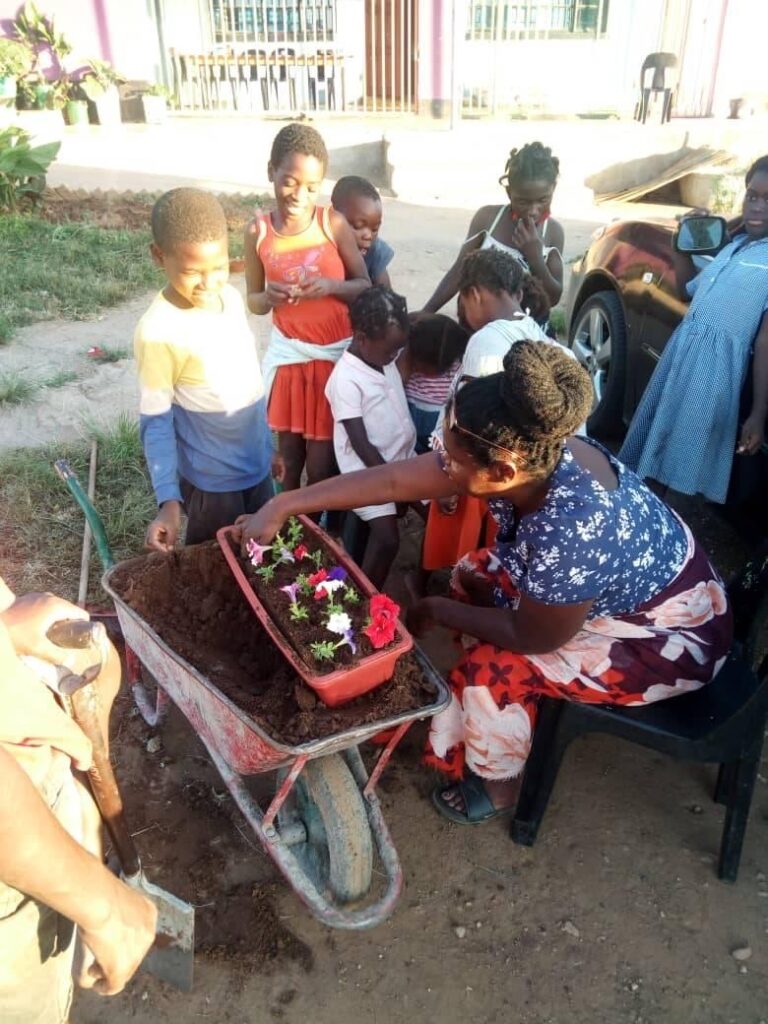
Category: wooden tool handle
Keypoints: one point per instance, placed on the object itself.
(83, 704)
(77, 634)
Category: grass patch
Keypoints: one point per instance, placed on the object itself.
(71, 271)
(16, 389)
(60, 379)
(41, 526)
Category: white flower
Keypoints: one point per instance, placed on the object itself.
(339, 622)
(329, 586)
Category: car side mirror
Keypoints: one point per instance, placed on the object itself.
(701, 236)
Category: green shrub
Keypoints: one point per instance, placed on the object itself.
(22, 167)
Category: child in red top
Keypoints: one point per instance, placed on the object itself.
(303, 264)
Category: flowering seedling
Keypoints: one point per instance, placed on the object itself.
(256, 552)
(284, 555)
(324, 650)
(303, 583)
(266, 572)
(301, 551)
(350, 596)
(298, 613)
(317, 558)
(339, 622)
(291, 590)
(295, 533)
(381, 629)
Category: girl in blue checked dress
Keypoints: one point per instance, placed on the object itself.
(685, 431)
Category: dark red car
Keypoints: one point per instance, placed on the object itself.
(622, 307)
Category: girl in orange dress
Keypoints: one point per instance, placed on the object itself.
(303, 265)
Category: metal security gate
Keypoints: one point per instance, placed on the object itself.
(492, 30)
(292, 56)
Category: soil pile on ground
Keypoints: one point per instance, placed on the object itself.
(192, 601)
(128, 210)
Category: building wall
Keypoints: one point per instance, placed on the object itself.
(566, 76)
(120, 31)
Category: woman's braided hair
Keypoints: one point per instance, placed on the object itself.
(532, 162)
(542, 396)
(375, 309)
(500, 271)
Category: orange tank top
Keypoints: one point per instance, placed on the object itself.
(297, 259)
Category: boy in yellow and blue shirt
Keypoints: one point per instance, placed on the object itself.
(203, 412)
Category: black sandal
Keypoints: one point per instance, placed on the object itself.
(478, 805)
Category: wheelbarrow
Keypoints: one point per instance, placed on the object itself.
(325, 820)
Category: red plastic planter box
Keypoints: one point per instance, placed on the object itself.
(345, 684)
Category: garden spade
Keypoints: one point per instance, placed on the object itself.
(172, 953)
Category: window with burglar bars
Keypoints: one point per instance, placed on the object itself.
(504, 19)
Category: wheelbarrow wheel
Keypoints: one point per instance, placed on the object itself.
(336, 852)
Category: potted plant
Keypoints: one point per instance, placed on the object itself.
(40, 35)
(326, 618)
(16, 61)
(155, 103)
(69, 98)
(99, 85)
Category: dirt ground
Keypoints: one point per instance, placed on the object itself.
(616, 915)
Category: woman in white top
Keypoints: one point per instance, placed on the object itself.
(522, 227)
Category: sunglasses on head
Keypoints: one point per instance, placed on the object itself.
(453, 424)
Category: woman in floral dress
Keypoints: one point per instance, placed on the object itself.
(593, 591)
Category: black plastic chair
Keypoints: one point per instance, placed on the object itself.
(723, 723)
(664, 80)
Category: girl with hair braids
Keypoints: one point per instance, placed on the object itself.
(372, 425)
(593, 590)
(522, 227)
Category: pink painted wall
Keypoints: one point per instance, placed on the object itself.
(120, 31)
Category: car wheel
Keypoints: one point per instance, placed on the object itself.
(599, 341)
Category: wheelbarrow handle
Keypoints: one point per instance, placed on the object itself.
(83, 704)
(65, 472)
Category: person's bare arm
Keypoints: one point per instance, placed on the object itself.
(398, 482)
(357, 279)
(449, 285)
(261, 297)
(361, 445)
(753, 431)
(39, 858)
(532, 628)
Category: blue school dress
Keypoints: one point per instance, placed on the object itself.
(685, 430)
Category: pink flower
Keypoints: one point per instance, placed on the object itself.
(691, 608)
(301, 551)
(291, 590)
(256, 551)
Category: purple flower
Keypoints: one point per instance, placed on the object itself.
(337, 573)
(348, 639)
(285, 556)
(291, 590)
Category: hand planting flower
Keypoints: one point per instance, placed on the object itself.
(256, 551)
(301, 551)
(291, 590)
(381, 629)
(339, 623)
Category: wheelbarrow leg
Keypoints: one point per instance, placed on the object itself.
(152, 711)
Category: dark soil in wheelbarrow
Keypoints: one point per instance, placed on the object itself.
(193, 602)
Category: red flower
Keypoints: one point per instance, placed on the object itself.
(301, 551)
(381, 629)
(317, 577)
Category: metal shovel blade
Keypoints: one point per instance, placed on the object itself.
(171, 957)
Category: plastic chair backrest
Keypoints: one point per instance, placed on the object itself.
(659, 63)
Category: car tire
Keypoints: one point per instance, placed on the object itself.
(598, 338)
